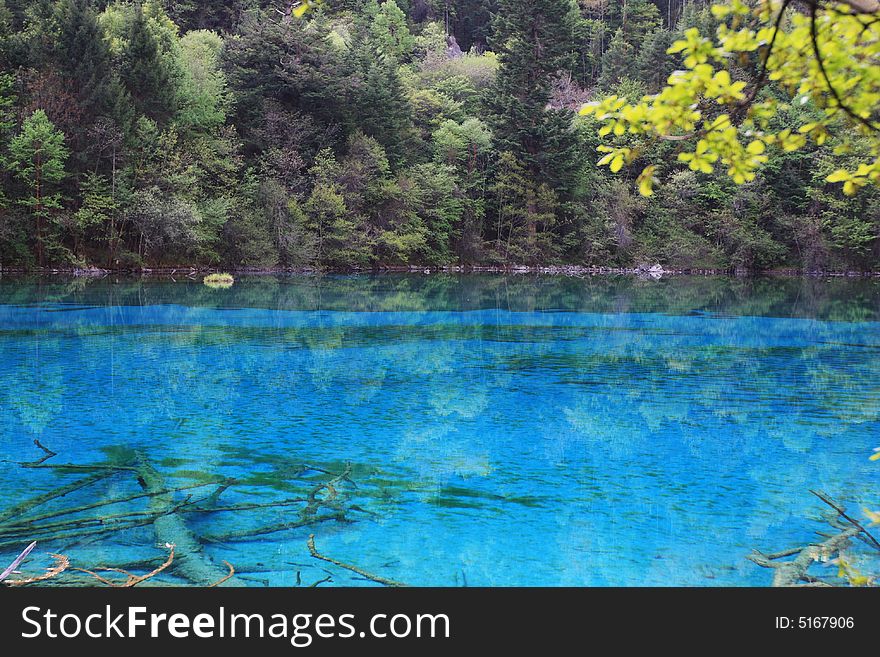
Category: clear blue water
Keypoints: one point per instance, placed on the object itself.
(500, 431)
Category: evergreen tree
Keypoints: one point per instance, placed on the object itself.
(145, 72)
(389, 34)
(534, 42)
(199, 15)
(83, 57)
(7, 121)
(653, 65)
(37, 156)
(384, 109)
(509, 196)
(634, 18)
(337, 239)
(618, 62)
(7, 103)
(470, 21)
(6, 33)
(97, 213)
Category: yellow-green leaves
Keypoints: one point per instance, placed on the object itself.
(788, 141)
(615, 158)
(300, 9)
(852, 182)
(695, 48)
(723, 90)
(646, 180)
(684, 111)
(817, 131)
(605, 108)
(736, 8)
(852, 574)
(756, 147)
(700, 159)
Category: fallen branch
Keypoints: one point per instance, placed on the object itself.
(106, 524)
(223, 579)
(309, 513)
(375, 578)
(198, 508)
(48, 453)
(120, 500)
(62, 563)
(315, 502)
(77, 467)
(91, 533)
(271, 529)
(77, 523)
(855, 523)
(794, 572)
(15, 564)
(27, 505)
(131, 579)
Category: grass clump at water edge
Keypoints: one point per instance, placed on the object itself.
(219, 280)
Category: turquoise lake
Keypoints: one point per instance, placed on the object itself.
(477, 430)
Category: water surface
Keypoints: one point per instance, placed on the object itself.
(498, 430)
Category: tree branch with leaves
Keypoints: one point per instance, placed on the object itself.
(818, 53)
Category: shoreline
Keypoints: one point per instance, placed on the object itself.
(655, 272)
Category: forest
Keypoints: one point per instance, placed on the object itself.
(359, 134)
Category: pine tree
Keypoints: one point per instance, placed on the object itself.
(145, 73)
(83, 56)
(7, 121)
(384, 109)
(470, 21)
(534, 41)
(389, 34)
(97, 212)
(635, 18)
(618, 61)
(37, 156)
(337, 239)
(5, 33)
(509, 191)
(653, 64)
(7, 102)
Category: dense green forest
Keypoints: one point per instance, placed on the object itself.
(362, 133)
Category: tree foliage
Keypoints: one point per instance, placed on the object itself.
(360, 134)
(829, 57)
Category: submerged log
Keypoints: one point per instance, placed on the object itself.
(794, 572)
(165, 512)
(191, 563)
(27, 505)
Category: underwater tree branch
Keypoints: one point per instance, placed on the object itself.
(794, 572)
(111, 502)
(375, 578)
(27, 505)
(15, 564)
(842, 512)
(62, 563)
(225, 577)
(48, 454)
(131, 579)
